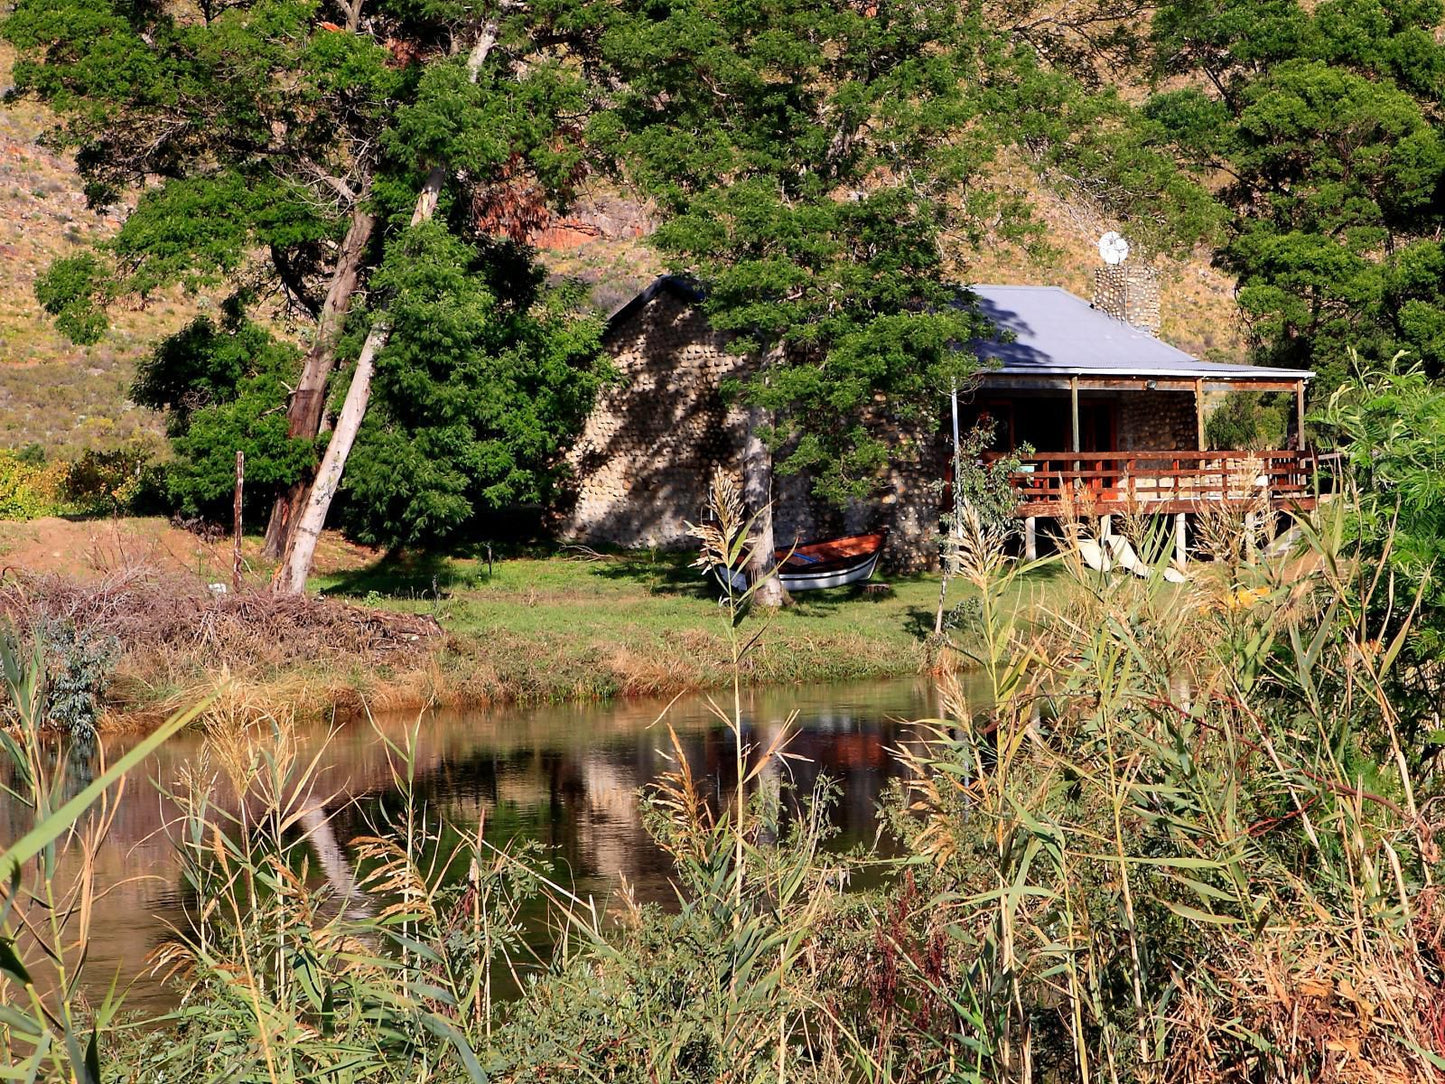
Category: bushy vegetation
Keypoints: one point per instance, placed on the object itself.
(1390, 421)
(30, 486)
(96, 482)
(490, 374)
(1317, 128)
(1248, 421)
(1189, 834)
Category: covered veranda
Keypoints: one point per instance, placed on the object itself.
(1111, 418)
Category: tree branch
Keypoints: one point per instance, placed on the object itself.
(294, 282)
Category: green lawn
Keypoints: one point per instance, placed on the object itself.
(551, 627)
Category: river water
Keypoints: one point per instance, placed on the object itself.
(565, 776)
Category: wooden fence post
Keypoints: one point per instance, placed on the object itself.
(236, 521)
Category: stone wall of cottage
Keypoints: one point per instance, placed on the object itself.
(647, 453)
(1162, 420)
(643, 465)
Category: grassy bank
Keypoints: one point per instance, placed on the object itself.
(402, 633)
(562, 627)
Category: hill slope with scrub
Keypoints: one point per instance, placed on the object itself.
(66, 396)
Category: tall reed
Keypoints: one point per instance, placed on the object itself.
(1183, 834)
(1193, 866)
(49, 1025)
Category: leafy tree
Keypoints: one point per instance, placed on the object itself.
(278, 148)
(1325, 123)
(486, 374)
(1389, 418)
(221, 388)
(807, 159)
(473, 123)
(259, 120)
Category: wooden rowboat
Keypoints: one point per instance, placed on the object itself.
(833, 563)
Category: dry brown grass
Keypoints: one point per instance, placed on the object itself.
(1313, 998)
(147, 610)
(264, 653)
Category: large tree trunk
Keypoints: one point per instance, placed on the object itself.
(307, 409)
(758, 497)
(301, 546)
(296, 562)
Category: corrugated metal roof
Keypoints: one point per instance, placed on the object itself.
(1056, 333)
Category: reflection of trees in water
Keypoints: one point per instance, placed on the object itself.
(581, 802)
(565, 778)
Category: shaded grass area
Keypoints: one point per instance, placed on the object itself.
(534, 623)
(552, 627)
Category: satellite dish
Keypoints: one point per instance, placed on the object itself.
(1113, 248)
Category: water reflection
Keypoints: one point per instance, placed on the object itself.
(564, 776)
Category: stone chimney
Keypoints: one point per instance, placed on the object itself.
(1129, 292)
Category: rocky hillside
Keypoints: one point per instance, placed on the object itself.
(64, 396)
(1198, 309)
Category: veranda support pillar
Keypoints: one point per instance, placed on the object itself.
(1299, 414)
(1199, 413)
(1106, 526)
(1074, 412)
(1031, 538)
(1181, 529)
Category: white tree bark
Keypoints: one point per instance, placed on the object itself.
(306, 413)
(301, 548)
(296, 563)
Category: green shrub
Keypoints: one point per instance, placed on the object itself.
(78, 666)
(107, 482)
(1248, 421)
(30, 489)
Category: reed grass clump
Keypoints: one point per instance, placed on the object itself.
(1183, 842)
(1185, 836)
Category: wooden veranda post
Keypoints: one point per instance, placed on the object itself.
(1299, 414)
(1199, 413)
(1074, 410)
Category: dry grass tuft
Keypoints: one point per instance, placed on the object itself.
(145, 609)
(177, 637)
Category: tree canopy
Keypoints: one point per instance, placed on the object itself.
(1325, 123)
(820, 169)
(487, 372)
(275, 149)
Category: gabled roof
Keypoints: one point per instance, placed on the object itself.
(1056, 333)
(682, 288)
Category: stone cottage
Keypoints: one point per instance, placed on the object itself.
(647, 454)
(1062, 376)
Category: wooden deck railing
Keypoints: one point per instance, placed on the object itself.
(1162, 481)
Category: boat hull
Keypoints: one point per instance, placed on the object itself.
(836, 563)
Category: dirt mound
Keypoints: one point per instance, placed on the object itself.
(95, 549)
